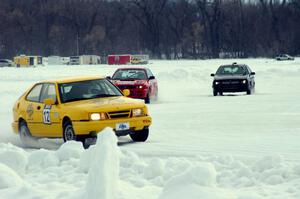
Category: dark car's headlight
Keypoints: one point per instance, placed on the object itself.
(244, 81)
(216, 82)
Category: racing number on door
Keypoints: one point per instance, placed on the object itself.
(46, 114)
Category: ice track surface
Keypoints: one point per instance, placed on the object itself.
(233, 146)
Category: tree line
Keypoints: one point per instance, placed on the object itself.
(169, 29)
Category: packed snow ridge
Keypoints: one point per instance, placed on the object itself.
(104, 171)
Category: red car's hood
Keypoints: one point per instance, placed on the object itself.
(129, 82)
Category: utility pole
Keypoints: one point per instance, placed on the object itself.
(77, 43)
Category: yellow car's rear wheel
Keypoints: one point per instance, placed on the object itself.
(25, 136)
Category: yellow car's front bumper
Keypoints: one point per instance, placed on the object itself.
(86, 127)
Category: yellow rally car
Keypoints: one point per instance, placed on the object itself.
(78, 109)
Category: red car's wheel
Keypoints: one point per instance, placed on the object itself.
(147, 99)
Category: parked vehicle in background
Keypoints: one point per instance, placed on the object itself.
(140, 81)
(6, 63)
(78, 109)
(85, 60)
(127, 59)
(28, 60)
(57, 60)
(283, 57)
(233, 78)
(139, 59)
(118, 59)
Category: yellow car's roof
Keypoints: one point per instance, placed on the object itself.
(73, 79)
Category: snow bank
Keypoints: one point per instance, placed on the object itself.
(68, 150)
(8, 177)
(204, 175)
(191, 183)
(14, 157)
(249, 195)
(154, 169)
(42, 159)
(103, 175)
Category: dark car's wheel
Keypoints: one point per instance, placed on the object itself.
(140, 136)
(68, 132)
(215, 93)
(25, 136)
(249, 91)
(147, 99)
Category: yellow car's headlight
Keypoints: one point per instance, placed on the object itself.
(95, 116)
(137, 112)
(98, 116)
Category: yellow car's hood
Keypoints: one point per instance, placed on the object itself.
(106, 104)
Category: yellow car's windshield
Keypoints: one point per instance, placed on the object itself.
(84, 90)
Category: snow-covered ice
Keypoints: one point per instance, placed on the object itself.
(233, 146)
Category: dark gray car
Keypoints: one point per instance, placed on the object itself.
(233, 78)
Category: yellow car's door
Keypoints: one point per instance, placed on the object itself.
(50, 114)
(33, 109)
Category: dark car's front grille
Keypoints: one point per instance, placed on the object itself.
(236, 85)
(119, 114)
(230, 82)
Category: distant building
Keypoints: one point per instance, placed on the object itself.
(85, 60)
(28, 60)
(57, 60)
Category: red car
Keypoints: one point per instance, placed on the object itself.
(140, 81)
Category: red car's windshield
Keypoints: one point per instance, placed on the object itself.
(129, 74)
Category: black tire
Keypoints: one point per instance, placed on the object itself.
(86, 140)
(156, 96)
(249, 91)
(26, 137)
(68, 132)
(69, 135)
(140, 136)
(215, 93)
(147, 99)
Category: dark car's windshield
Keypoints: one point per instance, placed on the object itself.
(231, 70)
(129, 74)
(87, 90)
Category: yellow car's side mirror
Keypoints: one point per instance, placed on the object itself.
(126, 92)
(49, 101)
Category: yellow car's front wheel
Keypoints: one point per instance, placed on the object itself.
(140, 136)
(68, 133)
